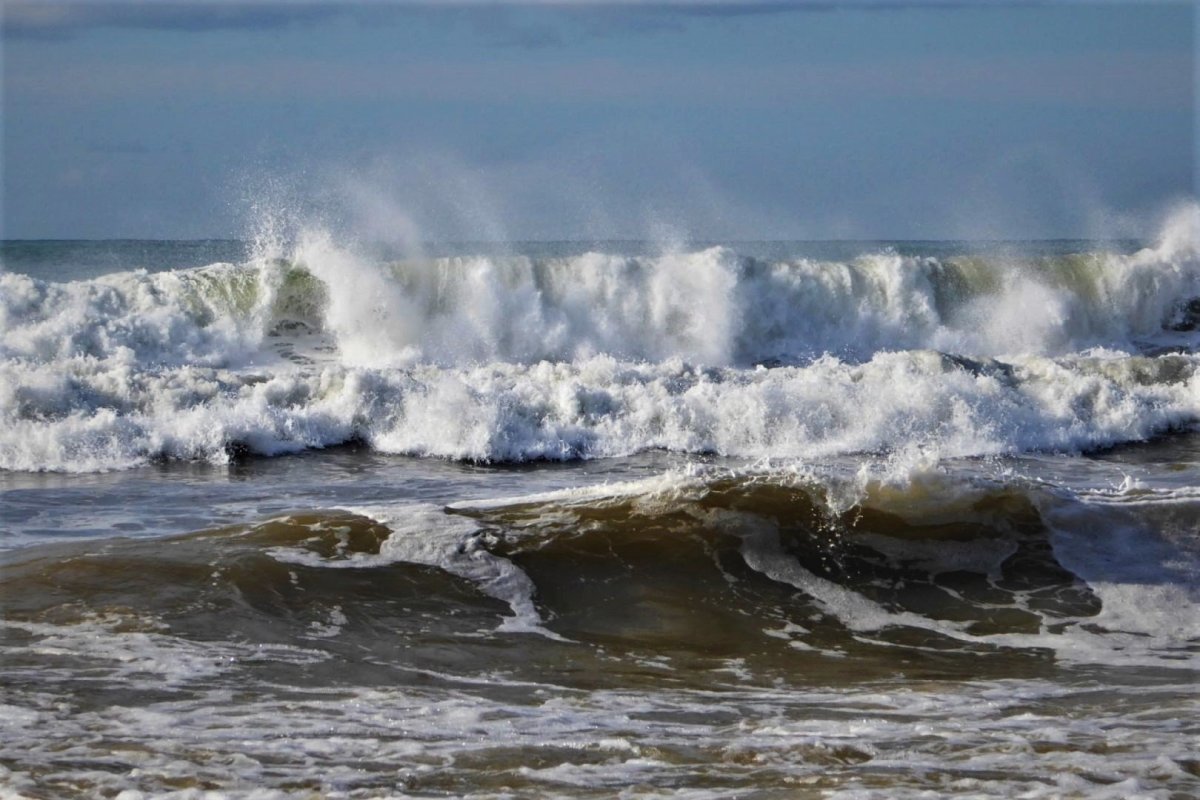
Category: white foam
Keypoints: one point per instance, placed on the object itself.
(688, 482)
(206, 316)
(145, 651)
(83, 416)
(509, 358)
(1005, 738)
(715, 308)
(424, 534)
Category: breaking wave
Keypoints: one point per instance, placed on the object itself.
(602, 354)
(709, 558)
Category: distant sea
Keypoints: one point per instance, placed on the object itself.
(747, 519)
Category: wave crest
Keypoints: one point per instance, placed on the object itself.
(514, 358)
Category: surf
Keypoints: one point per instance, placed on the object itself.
(510, 357)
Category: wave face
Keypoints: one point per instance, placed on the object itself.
(969, 567)
(716, 308)
(928, 560)
(747, 630)
(600, 354)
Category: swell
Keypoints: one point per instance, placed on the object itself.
(636, 569)
(720, 565)
(783, 555)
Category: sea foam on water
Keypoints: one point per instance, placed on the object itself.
(510, 358)
(822, 521)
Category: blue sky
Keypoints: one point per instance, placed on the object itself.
(542, 121)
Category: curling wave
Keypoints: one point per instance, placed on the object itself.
(515, 358)
(716, 308)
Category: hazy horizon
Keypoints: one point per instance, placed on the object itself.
(704, 122)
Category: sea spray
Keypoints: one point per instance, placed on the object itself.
(516, 357)
(843, 538)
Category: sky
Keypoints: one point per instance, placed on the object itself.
(857, 120)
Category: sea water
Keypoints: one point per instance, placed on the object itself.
(762, 519)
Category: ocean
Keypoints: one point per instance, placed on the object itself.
(307, 517)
